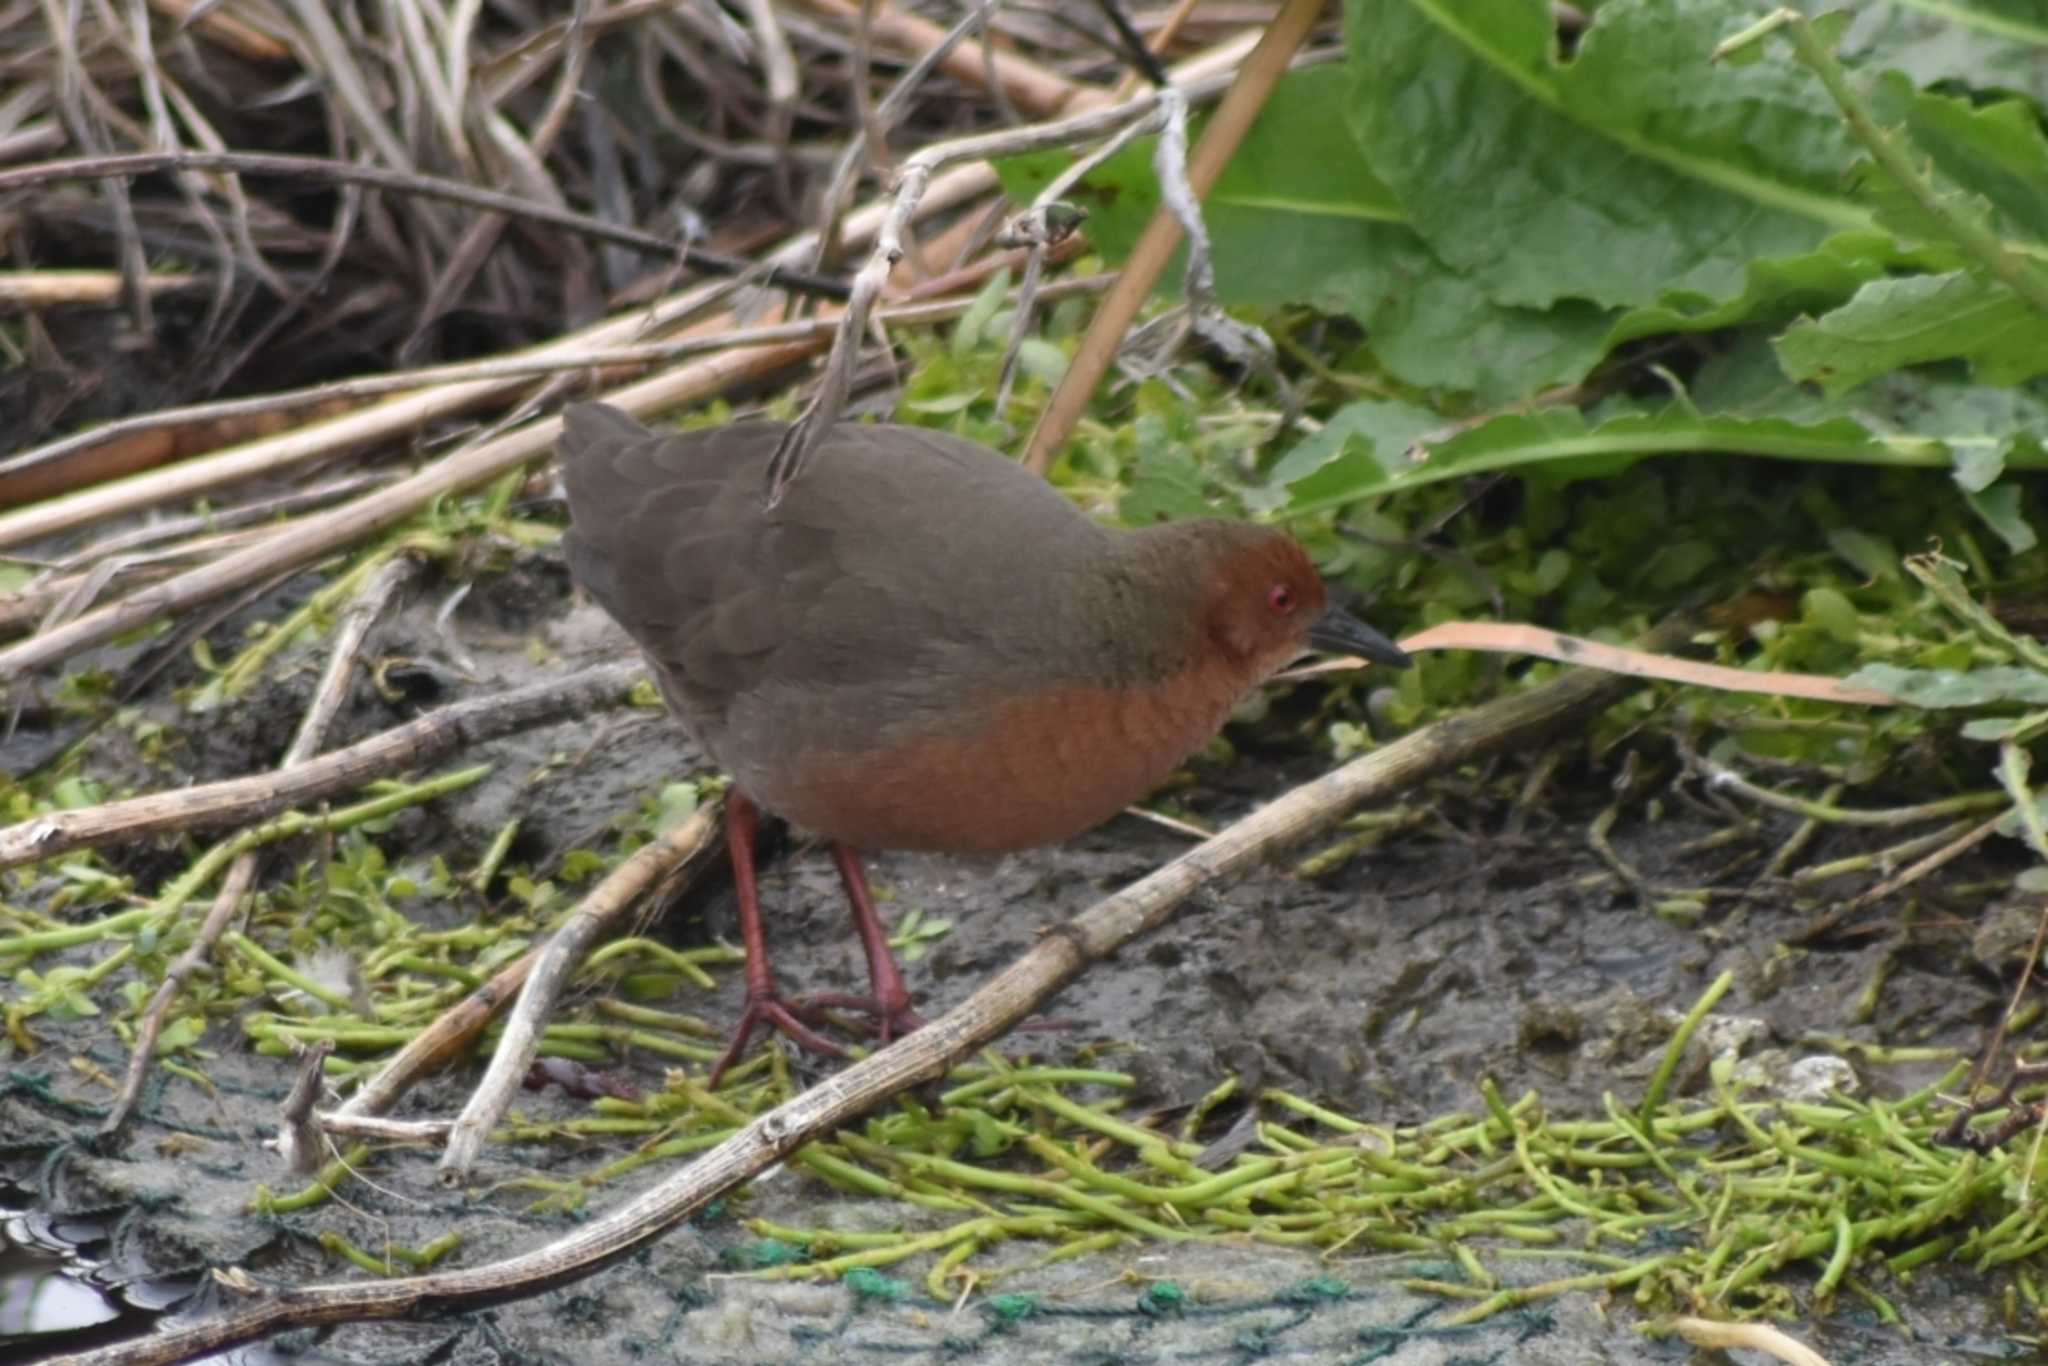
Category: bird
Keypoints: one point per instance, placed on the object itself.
(921, 646)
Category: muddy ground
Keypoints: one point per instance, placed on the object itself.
(1488, 940)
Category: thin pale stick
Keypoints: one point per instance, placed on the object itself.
(119, 167)
(206, 806)
(596, 917)
(328, 696)
(1247, 95)
(39, 461)
(1514, 638)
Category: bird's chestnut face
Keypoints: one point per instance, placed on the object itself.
(1270, 597)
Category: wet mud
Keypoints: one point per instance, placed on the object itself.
(1487, 940)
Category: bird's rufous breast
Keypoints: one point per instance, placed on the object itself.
(1034, 768)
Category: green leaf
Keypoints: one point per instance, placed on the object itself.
(1381, 431)
(944, 404)
(1041, 360)
(1299, 158)
(1831, 610)
(1978, 466)
(1986, 429)
(180, 1033)
(1437, 329)
(1636, 169)
(1298, 217)
(675, 801)
(75, 790)
(1944, 688)
(1774, 288)
(1564, 444)
(1996, 728)
(968, 331)
(1167, 483)
(2003, 511)
(1985, 43)
(1995, 151)
(1915, 319)
(1872, 557)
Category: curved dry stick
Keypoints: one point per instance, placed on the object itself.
(593, 919)
(315, 536)
(281, 166)
(794, 452)
(328, 696)
(1012, 994)
(1513, 638)
(232, 801)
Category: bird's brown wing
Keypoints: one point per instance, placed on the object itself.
(902, 570)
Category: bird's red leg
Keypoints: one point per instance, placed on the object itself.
(890, 1002)
(764, 1004)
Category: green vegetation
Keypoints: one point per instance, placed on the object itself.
(1581, 338)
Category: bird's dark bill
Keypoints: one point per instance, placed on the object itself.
(1337, 629)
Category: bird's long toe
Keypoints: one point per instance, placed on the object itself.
(887, 1019)
(777, 1014)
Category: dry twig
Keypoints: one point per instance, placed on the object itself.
(1247, 95)
(911, 181)
(595, 918)
(328, 696)
(237, 800)
(114, 169)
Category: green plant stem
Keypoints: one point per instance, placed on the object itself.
(1965, 230)
(1646, 1113)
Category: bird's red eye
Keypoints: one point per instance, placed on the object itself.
(1280, 598)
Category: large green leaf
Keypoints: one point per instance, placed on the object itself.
(1995, 151)
(1636, 169)
(1380, 448)
(1298, 157)
(1774, 289)
(1438, 329)
(1297, 217)
(1984, 43)
(1919, 318)
(1954, 687)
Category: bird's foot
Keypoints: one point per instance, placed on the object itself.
(889, 1019)
(774, 1012)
